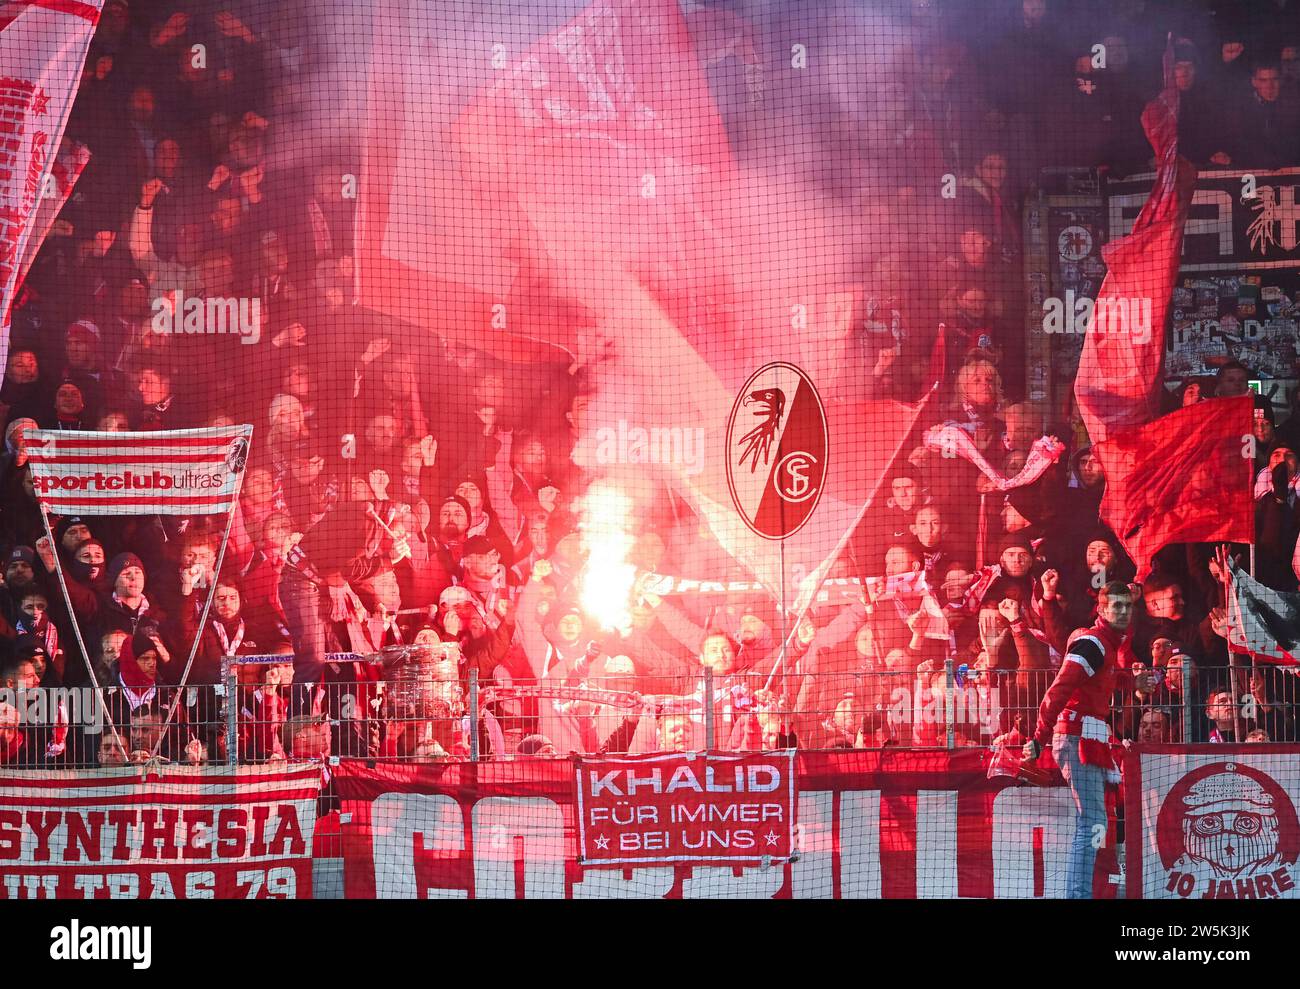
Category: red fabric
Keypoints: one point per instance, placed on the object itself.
(12, 749)
(597, 183)
(260, 734)
(897, 823)
(1119, 378)
(1075, 695)
(258, 820)
(132, 675)
(1181, 478)
(1096, 753)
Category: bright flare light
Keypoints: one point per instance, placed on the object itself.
(608, 577)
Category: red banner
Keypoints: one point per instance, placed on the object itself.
(203, 833)
(675, 808)
(897, 825)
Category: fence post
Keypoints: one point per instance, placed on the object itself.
(949, 703)
(708, 710)
(1187, 699)
(231, 681)
(1237, 698)
(473, 714)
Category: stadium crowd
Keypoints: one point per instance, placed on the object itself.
(404, 490)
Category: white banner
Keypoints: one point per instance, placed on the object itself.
(173, 472)
(43, 46)
(183, 832)
(1210, 822)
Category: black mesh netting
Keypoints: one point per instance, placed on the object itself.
(639, 375)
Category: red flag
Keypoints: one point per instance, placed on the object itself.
(1118, 381)
(42, 49)
(1183, 478)
(601, 114)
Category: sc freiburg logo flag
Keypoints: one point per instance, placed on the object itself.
(777, 446)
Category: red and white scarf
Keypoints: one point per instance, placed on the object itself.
(952, 441)
(229, 646)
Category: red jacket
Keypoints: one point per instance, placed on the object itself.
(1078, 701)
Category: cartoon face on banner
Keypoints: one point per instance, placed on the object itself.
(1228, 830)
(777, 445)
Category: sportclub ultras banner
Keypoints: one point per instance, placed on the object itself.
(172, 472)
(179, 833)
(869, 825)
(1213, 822)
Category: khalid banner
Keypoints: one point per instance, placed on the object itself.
(173, 472)
(42, 49)
(894, 825)
(674, 808)
(1211, 822)
(210, 832)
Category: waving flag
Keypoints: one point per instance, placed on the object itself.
(596, 204)
(1119, 379)
(1265, 624)
(43, 46)
(174, 472)
(71, 161)
(1182, 478)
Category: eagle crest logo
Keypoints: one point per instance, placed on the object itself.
(777, 450)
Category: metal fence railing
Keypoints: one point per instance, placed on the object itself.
(431, 711)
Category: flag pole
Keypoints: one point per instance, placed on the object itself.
(76, 624)
(1227, 587)
(1225, 577)
(207, 605)
(1250, 500)
(937, 359)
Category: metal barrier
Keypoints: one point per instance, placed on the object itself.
(437, 712)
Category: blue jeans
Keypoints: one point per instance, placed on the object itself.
(1088, 788)
(301, 600)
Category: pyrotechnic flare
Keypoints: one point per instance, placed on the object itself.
(608, 576)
